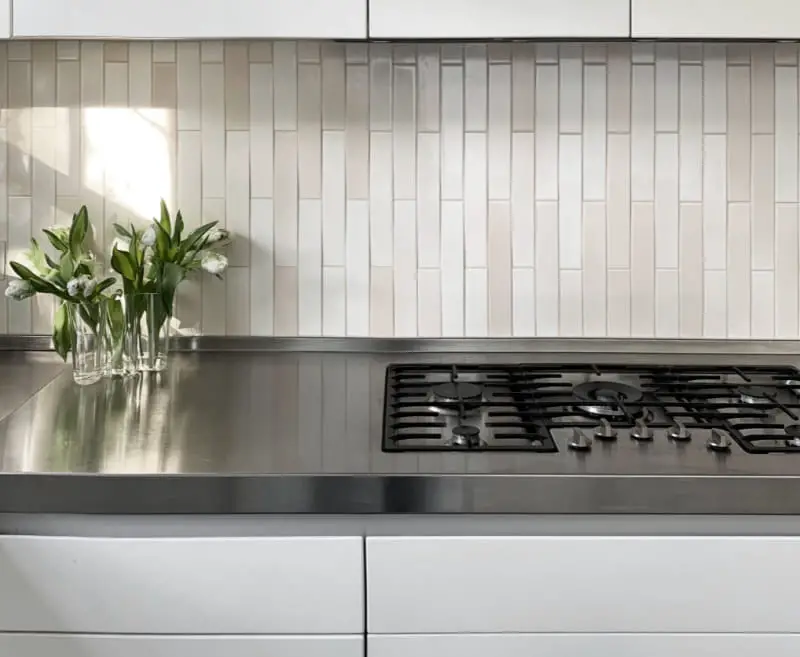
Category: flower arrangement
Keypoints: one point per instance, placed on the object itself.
(150, 262)
(71, 278)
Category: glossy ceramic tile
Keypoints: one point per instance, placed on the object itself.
(427, 189)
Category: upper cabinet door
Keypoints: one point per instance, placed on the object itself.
(183, 19)
(716, 19)
(497, 19)
(5, 19)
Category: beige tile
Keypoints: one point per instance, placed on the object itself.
(786, 135)
(595, 53)
(452, 127)
(475, 199)
(499, 270)
(715, 208)
(115, 51)
(691, 270)
(237, 301)
(763, 305)
(285, 84)
(786, 54)
(116, 84)
(643, 53)
(476, 323)
(334, 309)
(261, 131)
(642, 271)
(68, 129)
(619, 87)
(309, 131)
(237, 86)
(739, 133)
(3, 83)
(763, 88)
(642, 134)
(452, 268)
(738, 54)
(715, 99)
(594, 269)
(476, 78)
(429, 303)
(357, 53)
(738, 270)
(213, 129)
(308, 52)
(262, 272)
(428, 200)
(546, 133)
(68, 49)
(786, 272)
(667, 87)
(691, 133)
(164, 52)
(260, 51)
(381, 302)
(523, 291)
(286, 200)
(44, 85)
(19, 233)
(618, 194)
(211, 52)
(334, 87)
(189, 86)
(189, 177)
(715, 309)
(333, 199)
(380, 199)
(286, 301)
(547, 53)
(357, 132)
(405, 269)
(380, 88)
(570, 321)
(547, 274)
(43, 180)
(140, 65)
(357, 268)
(237, 195)
(595, 133)
(19, 51)
(570, 207)
(523, 71)
(522, 199)
(570, 89)
(499, 53)
(763, 194)
(667, 303)
(428, 87)
(404, 150)
(165, 86)
(499, 133)
(18, 124)
(666, 206)
(619, 303)
(310, 268)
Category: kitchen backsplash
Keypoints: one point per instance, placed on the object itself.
(427, 190)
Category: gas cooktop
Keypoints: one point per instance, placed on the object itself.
(553, 408)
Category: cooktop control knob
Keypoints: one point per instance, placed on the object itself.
(679, 432)
(718, 441)
(580, 442)
(605, 431)
(641, 431)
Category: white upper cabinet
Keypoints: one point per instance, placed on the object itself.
(5, 19)
(189, 19)
(716, 19)
(497, 19)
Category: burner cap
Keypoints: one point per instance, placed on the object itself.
(466, 435)
(459, 392)
(793, 430)
(756, 394)
(606, 398)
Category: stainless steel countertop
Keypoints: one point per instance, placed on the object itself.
(278, 431)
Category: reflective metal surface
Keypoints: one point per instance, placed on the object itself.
(286, 432)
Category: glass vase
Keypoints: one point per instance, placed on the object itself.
(119, 346)
(86, 322)
(151, 331)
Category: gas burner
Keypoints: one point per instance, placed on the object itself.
(607, 398)
(756, 394)
(457, 397)
(793, 431)
(465, 435)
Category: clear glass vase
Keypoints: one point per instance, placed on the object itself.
(119, 346)
(150, 329)
(86, 322)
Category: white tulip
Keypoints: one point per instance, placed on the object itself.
(214, 263)
(149, 236)
(217, 235)
(74, 287)
(89, 285)
(121, 244)
(18, 289)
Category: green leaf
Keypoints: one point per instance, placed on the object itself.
(165, 222)
(78, 231)
(122, 263)
(51, 263)
(58, 244)
(103, 285)
(62, 337)
(37, 282)
(115, 317)
(176, 236)
(194, 241)
(122, 231)
(67, 266)
(171, 277)
(162, 241)
(37, 257)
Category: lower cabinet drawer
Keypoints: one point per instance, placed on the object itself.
(259, 585)
(453, 585)
(585, 645)
(55, 645)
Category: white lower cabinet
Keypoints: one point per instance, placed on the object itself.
(585, 645)
(54, 645)
(253, 585)
(583, 584)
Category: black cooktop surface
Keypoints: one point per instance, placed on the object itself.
(551, 408)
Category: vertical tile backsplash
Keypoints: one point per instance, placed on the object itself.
(644, 190)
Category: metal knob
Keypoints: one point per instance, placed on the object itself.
(580, 442)
(605, 431)
(641, 431)
(718, 441)
(679, 432)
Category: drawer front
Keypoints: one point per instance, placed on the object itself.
(27, 645)
(582, 584)
(585, 645)
(309, 585)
